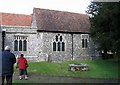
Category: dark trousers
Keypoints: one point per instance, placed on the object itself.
(8, 80)
(23, 72)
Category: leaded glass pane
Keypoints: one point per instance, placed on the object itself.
(56, 38)
(63, 46)
(15, 45)
(58, 46)
(83, 43)
(60, 38)
(86, 44)
(20, 45)
(25, 45)
(54, 46)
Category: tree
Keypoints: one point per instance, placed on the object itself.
(93, 8)
(105, 25)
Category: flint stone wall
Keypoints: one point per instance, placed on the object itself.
(73, 47)
(40, 45)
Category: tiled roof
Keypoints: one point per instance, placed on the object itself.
(51, 20)
(10, 19)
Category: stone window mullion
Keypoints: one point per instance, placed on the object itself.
(61, 46)
(56, 46)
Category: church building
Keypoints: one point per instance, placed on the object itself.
(48, 35)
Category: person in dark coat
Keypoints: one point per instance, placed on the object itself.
(8, 61)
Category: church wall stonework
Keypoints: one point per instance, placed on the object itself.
(46, 46)
(78, 51)
(72, 41)
(22, 31)
(40, 45)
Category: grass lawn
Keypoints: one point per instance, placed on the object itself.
(97, 68)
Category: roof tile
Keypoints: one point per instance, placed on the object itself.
(10, 19)
(51, 20)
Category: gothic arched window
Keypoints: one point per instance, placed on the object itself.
(58, 44)
(20, 43)
(85, 40)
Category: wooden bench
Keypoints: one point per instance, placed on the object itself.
(78, 67)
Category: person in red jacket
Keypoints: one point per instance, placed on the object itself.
(22, 65)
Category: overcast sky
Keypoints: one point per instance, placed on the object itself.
(26, 6)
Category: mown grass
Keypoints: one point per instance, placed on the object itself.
(97, 68)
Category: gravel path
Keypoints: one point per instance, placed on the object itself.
(35, 78)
